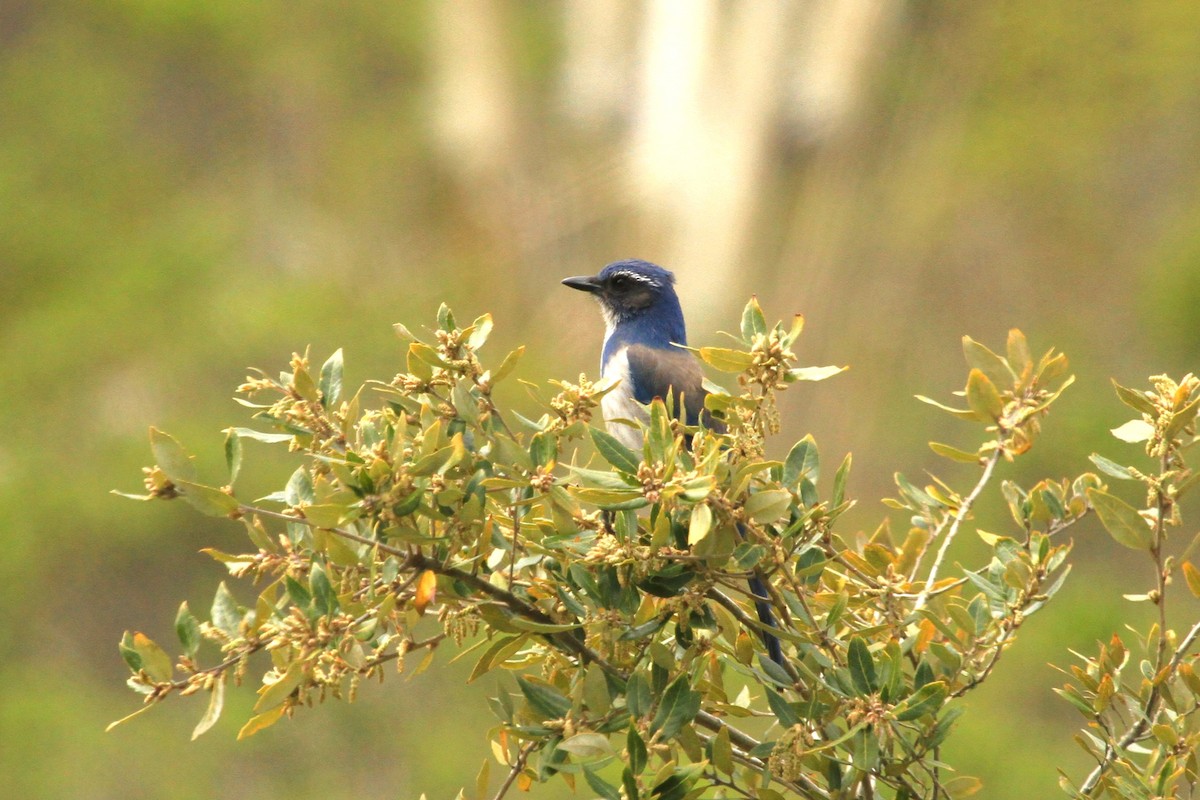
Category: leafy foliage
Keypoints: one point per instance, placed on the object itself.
(612, 583)
(1140, 699)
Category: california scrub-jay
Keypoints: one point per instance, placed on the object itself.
(643, 326)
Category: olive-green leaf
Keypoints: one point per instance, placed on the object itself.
(982, 396)
(330, 382)
(767, 506)
(678, 707)
(802, 460)
(586, 745)
(722, 752)
(612, 451)
(1111, 468)
(1121, 520)
(545, 699)
(953, 453)
(700, 523)
(187, 628)
(636, 752)
(1136, 400)
(862, 666)
(233, 453)
(726, 360)
(982, 358)
(155, 660)
(225, 613)
(216, 702)
(600, 786)
(782, 709)
(926, 700)
(207, 499)
(753, 321)
(172, 459)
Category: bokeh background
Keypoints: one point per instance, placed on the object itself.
(190, 188)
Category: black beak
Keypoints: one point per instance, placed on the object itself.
(584, 283)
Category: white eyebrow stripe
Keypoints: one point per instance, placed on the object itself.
(637, 277)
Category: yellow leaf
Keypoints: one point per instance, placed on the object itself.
(261, 721)
(1192, 576)
(426, 591)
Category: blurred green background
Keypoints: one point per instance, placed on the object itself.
(189, 188)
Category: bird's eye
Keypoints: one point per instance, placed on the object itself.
(620, 282)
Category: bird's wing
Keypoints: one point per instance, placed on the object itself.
(655, 372)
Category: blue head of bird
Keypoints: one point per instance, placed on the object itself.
(639, 305)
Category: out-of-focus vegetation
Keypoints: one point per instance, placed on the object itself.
(191, 188)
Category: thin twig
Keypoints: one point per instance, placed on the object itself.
(517, 767)
(959, 515)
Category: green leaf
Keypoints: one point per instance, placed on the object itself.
(981, 358)
(322, 590)
(272, 694)
(506, 366)
(1181, 419)
(543, 449)
(782, 709)
(600, 786)
(208, 500)
(982, 396)
(155, 660)
(636, 753)
(961, 413)
(233, 453)
(726, 360)
(926, 700)
(1136, 400)
(172, 459)
(839, 482)
(630, 784)
(615, 453)
(637, 695)
(803, 460)
(330, 383)
(545, 699)
(225, 614)
(953, 453)
(767, 506)
(753, 321)
(132, 659)
(481, 328)
(678, 707)
(1121, 520)
(595, 690)
(862, 666)
(216, 702)
(586, 745)
(445, 318)
(299, 488)
(187, 628)
(497, 654)
(1111, 468)
(700, 523)
(1019, 359)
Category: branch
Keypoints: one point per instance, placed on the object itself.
(959, 515)
(518, 765)
(1139, 727)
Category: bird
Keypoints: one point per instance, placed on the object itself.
(643, 351)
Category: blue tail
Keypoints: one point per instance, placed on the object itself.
(766, 618)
